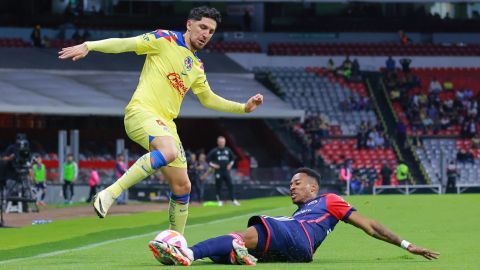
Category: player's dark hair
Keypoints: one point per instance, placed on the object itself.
(310, 172)
(197, 13)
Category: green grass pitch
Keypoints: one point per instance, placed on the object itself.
(449, 224)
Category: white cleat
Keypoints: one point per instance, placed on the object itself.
(240, 255)
(165, 252)
(236, 203)
(102, 202)
(220, 203)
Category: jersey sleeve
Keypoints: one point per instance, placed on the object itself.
(200, 85)
(149, 43)
(339, 208)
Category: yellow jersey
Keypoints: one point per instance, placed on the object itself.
(169, 72)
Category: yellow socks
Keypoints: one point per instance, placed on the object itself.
(142, 168)
(178, 212)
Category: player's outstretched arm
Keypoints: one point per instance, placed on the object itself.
(212, 101)
(111, 45)
(377, 230)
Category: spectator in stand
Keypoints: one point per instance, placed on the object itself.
(362, 136)
(476, 142)
(70, 174)
(36, 37)
(331, 66)
(444, 122)
(402, 173)
(469, 129)
(404, 40)
(370, 143)
(452, 175)
(345, 70)
(203, 170)
(379, 139)
(405, 62)
(356, 76)
(386, 173)
(324, 127)
(390, 64)
(448, 85)
(93, 182)
(120, 169)
(435, 86)
(465, 157)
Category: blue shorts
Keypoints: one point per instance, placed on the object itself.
(280, 239)
(41, 185)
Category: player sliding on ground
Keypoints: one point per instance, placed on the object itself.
(171, 68)
(286, 239)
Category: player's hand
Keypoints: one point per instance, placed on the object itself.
(253, 102)
(427, 254)
(229, 167)
(75, 52)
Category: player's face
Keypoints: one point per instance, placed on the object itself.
(201, 32)
(221, 142)
(302, 188)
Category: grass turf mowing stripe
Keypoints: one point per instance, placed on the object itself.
(93, 245)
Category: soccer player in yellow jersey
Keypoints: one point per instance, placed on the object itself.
(171, 68)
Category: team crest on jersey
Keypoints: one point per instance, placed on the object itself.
(188, 62)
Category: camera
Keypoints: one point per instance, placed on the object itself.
(23, 155)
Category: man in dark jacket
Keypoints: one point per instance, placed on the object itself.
(221, 159)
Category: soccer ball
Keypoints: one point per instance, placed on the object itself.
(173, 238)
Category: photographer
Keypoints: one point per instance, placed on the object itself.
(16, 164)
(70, 173)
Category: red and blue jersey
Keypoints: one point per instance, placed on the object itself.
(319, 216)
(296, 238)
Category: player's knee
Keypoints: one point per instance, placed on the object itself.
(183, 187)
(169, 152)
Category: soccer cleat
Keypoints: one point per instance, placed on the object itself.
(236, 203)
(102, 202)
(240, 254)
(220, 203)
(165, 252)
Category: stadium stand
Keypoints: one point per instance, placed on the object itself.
(366, 162)
(317, 91)
(233, 46)
(434, 150)
(444, 113)
(371, 49)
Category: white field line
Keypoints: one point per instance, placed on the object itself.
(54, 253)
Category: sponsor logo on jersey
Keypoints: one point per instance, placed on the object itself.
(177, 83)
(312, 202)
(188, 62)
(145, 37)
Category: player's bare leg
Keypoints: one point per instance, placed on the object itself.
(179, 200)
(163, 151)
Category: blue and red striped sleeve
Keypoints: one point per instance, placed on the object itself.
(339, 208)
